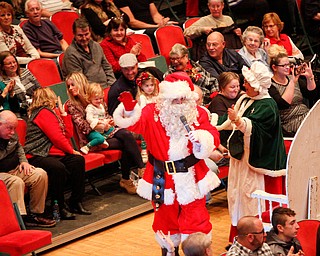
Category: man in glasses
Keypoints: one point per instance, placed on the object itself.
(283, 234)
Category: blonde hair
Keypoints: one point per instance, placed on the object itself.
(82, 84)
(93, 90)
(275, 49)
(43, 97)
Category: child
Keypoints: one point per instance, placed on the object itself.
(148, 89)
(101, 123)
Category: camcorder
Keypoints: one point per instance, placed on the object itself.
(299, 65)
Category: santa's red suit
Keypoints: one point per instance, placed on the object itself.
(183, 210)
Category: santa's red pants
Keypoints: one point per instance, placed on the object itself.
(183, 219)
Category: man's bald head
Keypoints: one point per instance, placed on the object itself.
(8, 124)
(215, 45)
(247, 225)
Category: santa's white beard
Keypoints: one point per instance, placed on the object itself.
(170, 116)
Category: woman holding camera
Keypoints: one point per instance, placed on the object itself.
(290, 85)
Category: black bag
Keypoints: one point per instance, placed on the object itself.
(236, 145)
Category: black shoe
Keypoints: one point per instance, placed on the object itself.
(78, 208)
(66, 215)
(33, 220)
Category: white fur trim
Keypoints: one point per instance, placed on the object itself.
(208, 183)
(175, 90)
(186, 188)
(144, 189)
(178, 148)
(176, 239)
(124, 118)
(169, 196)
(206, 142)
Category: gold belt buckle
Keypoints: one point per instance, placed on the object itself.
(170, 167)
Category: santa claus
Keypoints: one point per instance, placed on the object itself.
(176, 179)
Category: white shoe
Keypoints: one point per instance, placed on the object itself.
(85, 150)
(144, 156)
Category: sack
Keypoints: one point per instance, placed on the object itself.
(236, 145)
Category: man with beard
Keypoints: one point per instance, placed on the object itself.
(176, 179)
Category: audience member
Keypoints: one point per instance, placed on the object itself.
(24, 82)
(250, 239)
(310, 10)
(197, 244)
(77, 86)
(144, 15)
(256, 145)
(177, 190)
(148, 89)
(86, 56)
(48, 146)
(229, 93)
(218, 59)
(8, 99)
(17, 173)
(283, 234)
(179, 59)
(42, 33)
(118, 43)
(12, 37)
(272, 26)
(50, 7)
(95, 115)
(126, 82)
(215, 21)
(252, 40)
(98, 13)
(290, 87)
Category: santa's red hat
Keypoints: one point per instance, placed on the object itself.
(176, 85)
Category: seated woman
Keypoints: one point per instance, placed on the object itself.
(272, 26)
(12, 37)
(289, 88)
(98, 13)
(25, 82)
(48, 146)
(118, 43)
(122, 139)
(179, 58)
(252, 40)
(8, 99)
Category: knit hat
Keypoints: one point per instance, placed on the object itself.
(128, 60)
(176, 85)
(258, 76)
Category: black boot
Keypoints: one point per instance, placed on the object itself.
(78, 208)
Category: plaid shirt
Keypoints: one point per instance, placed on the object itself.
(237, 249)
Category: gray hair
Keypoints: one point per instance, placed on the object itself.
(209, 1)
(178, 49)
(255, 30)
(26, 7)
(196, 244)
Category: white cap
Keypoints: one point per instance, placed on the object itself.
(128, 60)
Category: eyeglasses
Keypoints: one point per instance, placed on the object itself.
(287, 65)
(177, 58)
(253, 233)
(269, 26)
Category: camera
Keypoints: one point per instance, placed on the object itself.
(299, 66)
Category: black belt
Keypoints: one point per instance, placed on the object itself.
(171, 167)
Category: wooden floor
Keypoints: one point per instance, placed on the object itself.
(136, 238)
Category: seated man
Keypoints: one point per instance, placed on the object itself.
(42, 33)
(218, 59)
(86, 56)
(16, 172)
(283, 234)
(197, 244)
(215, 21)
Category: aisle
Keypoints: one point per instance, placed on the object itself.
(135, 237)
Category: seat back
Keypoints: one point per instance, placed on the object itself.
(105, 95)
(46, 71)
(147, 48)
(189, 22)
(60, 60)
(64, 21)
(309, 236)
(9, 222)
(21, 130)
(167, 37)
(22, 23)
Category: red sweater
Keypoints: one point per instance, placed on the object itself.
(284, 41)
(113, 51)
